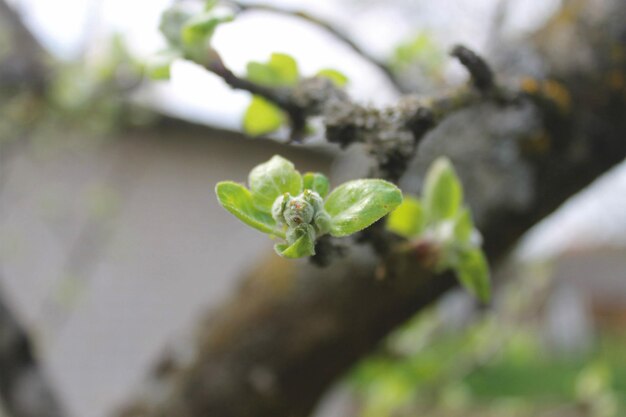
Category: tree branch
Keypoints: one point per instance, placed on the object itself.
(293, 329)
(329, 28)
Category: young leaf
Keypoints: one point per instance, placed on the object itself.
(158, 66)
(272, 179)
(463, 226)
(338, 78)
(317, 182)
(237, 200)
(442, 191)
(262, 117)
(172, 22)
(408, 219)
(303, 246)
(280, 71)
(473, 272)
(200, 28)
(355, 205)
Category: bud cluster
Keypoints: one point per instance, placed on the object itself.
(303, 214)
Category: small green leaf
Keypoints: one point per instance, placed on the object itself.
(317, 182)
(262, 117)
(442, 191)
(158, 66)
(200, 28)
(172, 22)
(338, 78)
(280, 71)
(237, 200)
(355, 205)
(272, 179)
(408, 219)
(210, 5)
(303, 246)
(473, 272)
(463, 226)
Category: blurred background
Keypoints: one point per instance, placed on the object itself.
(112, 242)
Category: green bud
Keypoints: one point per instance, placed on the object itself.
(278, 208)
(298, 211)
(313, 199)
(295, 233)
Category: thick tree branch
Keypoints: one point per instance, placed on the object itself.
(292, 328)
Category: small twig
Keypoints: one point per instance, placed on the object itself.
(281, 97)
(331, 29)
(481, 74)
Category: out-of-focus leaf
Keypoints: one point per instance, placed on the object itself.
(338, 78)
(355, 205)
(172, 22)
(280, 70)
(473, 272)
(158, 66)
(408, 219)
(442, 195)
(272, 179)
(463, 226)
(262, 117)
(200, 28)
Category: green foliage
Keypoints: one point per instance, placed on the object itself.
(238, 200)
(442, 193)
(338, 78)
(357, 204)
(282, 203)
(189, 35)
(442, 221)
(423, 51)
(262, 117)
(158, 66)
(408, 219)
(317, 182)
(281, 70)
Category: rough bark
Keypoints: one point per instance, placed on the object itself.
(292, 328)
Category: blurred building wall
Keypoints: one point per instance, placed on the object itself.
(109, 248)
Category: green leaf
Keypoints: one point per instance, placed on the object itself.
(200, 28)
(158, 66)
(473, 272)
(280, 71)
(237, 200)
(317, 182)
(210, 5)
(338, 78)
(355, 205)
(408, 219)
(172, 22)
(272, 179)
(442, 191)
(303, 246)
(262, 117)
(463, 226)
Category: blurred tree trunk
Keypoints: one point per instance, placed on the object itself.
(293, 329)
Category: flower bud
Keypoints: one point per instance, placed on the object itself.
(278, 208)
(298, 211)
(321, 221)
